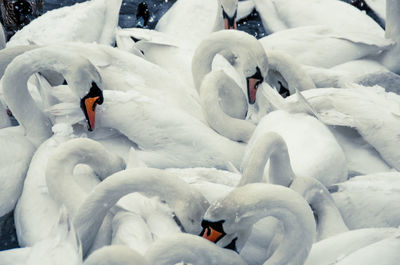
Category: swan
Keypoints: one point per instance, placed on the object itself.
(374, 210)
(84, 81)
(72, 23)
(21, 142)
(228, 220)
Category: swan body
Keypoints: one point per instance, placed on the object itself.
(124, 71)
(72, 23)
(374, 210)
(340, 247)
(283, 14)
(166, 136)
(377, 127)
(299, 42)
(2, 37)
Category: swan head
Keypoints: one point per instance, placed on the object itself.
(229, 13)
(190, 213)
(86, 83)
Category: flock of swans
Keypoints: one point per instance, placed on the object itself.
(133, 142)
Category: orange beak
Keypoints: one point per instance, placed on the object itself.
(211, 234)
(230, 24)
(90, 105)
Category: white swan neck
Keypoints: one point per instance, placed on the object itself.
(329, 219)
(20, 102)
(237, 47)
(293, 73)
(270, 146)
(232, 128)
(392, 28)
(153, 182)
(60, 167)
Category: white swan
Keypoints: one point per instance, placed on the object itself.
(83, 79)
(91, 21)
(228, 220)
(20, 142)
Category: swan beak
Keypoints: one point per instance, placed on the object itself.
(230, 23)
(252, 85)
(90, 110)
(211, 234)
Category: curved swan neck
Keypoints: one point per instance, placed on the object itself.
(245, 205)
(269, 146)
(236, 46)
(329, 219)
(78, 72)
(60, 167)
(8, 54)
(190, 249)
(234, 129)
(290, 70)
(153, 182)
